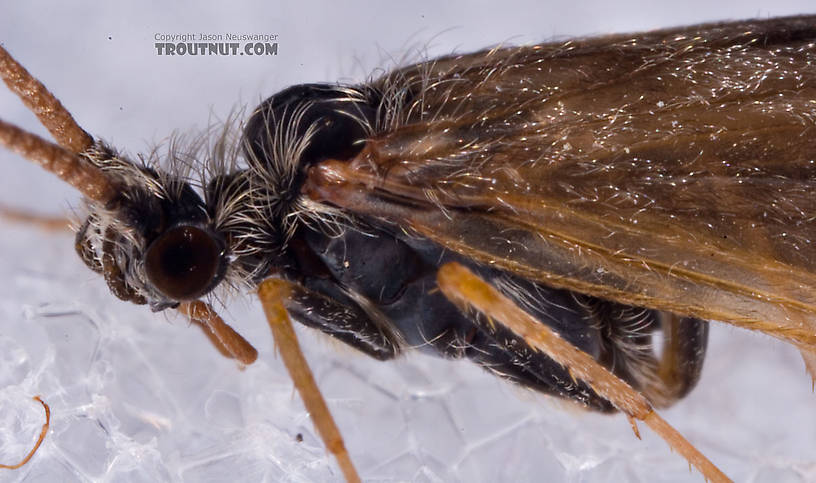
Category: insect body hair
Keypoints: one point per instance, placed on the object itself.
(251, 198)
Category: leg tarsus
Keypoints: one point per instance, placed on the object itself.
(272, 293)
(809, 357)
(633, 422)
(681, 363)
(466, 290)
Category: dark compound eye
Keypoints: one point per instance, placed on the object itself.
(183, 263)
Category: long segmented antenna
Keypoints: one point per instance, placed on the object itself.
(228, 342)
(48, 109)
(68, 166)
(65, 159)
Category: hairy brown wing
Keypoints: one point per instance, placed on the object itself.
(674, 170)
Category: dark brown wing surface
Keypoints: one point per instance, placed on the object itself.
(674, 170)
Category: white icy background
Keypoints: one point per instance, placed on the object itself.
(138, 396)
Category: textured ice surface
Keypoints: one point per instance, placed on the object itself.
(138, 396)
(141, 397)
